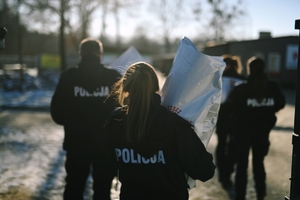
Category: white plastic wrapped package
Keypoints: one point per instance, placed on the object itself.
(130, 56)
(193, 89)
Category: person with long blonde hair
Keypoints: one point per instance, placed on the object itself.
(154, 148)
(232, 76)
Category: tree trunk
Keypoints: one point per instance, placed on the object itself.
(20, 46)
(62, 37)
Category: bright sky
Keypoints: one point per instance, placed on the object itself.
(275, 16)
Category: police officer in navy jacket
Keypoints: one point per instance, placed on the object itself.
(79, 104)
(254, 105)
(154, 148)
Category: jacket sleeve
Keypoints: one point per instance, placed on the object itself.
(196, 161)
(58, 101)
(279, 98)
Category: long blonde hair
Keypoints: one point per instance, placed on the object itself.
(233, 62)
(135, 92)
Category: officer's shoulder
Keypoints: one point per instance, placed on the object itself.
(116, 115)
(111, 71)
(240, 85)
(69, 72)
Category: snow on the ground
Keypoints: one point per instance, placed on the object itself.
(29, 99)
(37, 91)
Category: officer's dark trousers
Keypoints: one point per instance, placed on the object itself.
(259, 145)
(222, 157)
(78, 167)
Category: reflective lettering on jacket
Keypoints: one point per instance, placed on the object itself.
(81, 92)
(129, 156)
(267, 102)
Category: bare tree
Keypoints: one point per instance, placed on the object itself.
(169, 14)
(103, 17)
(85, 10)
(142, 42)
(20, 45)
(15, 8)
(64, 12)
(62, 45)
(116, 7)
(60, 9)
(221, 19)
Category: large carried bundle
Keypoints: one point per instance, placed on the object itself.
(193, 89)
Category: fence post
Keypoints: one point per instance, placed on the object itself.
(295, 172)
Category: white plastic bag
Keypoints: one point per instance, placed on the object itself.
(130, 56)
(193, 89)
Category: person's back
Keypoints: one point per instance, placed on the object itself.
(153, 165)
(78, 105)
(254, 105)
(85, 89)
(256, 101)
